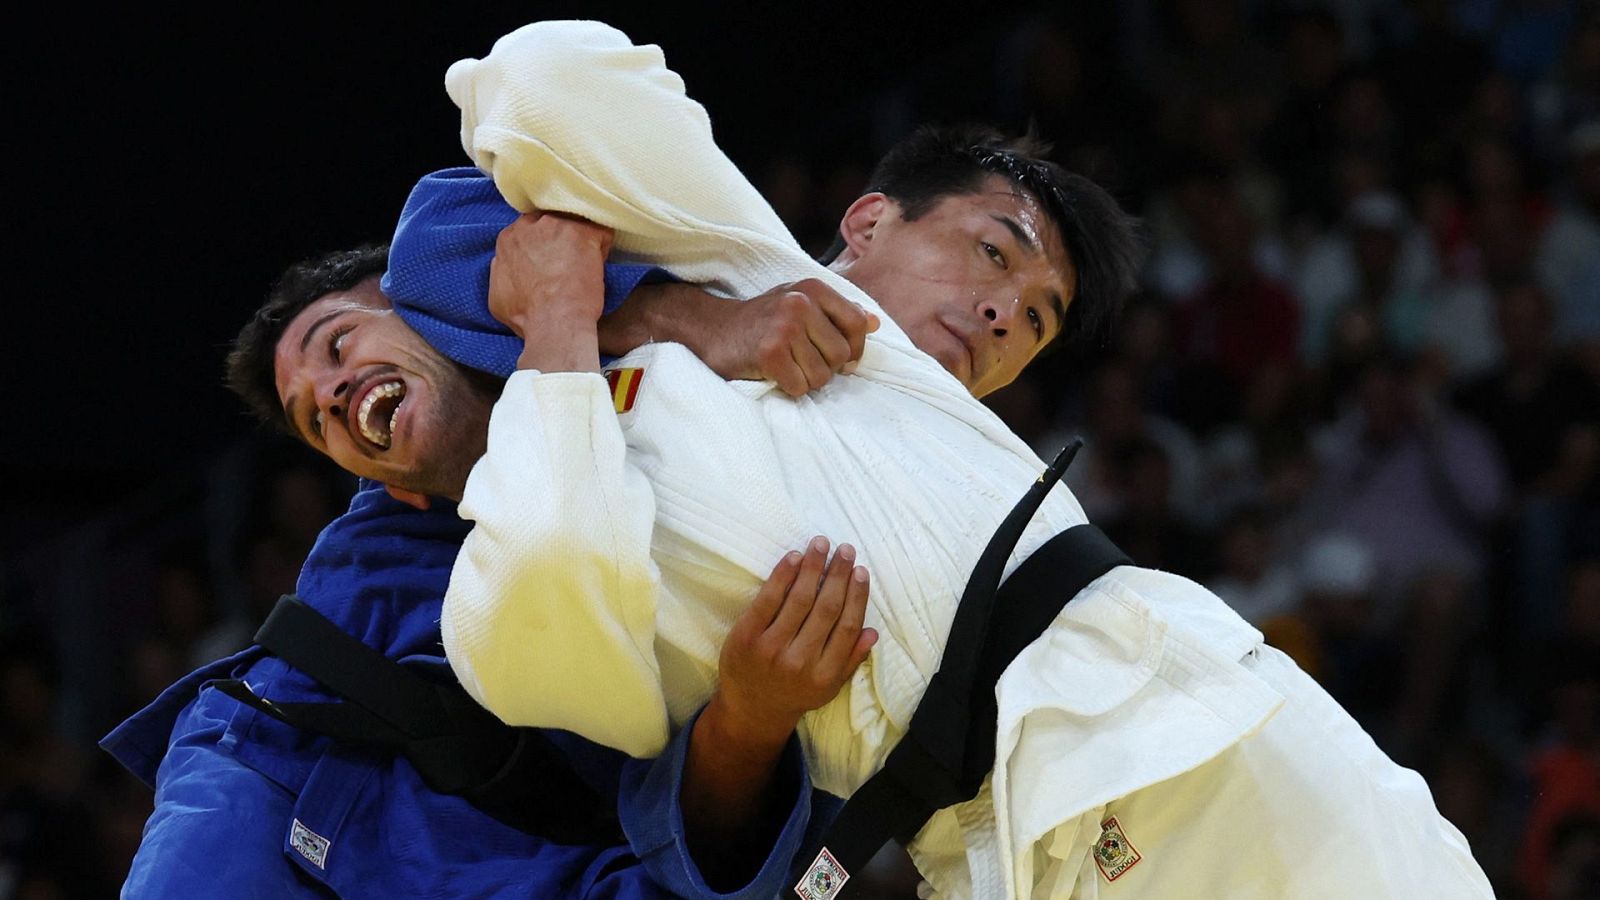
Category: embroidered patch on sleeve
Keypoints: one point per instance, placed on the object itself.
(309, 844)
(1114, 853)
(624, 387)
(823, 880)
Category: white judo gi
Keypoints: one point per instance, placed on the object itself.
(1149, 744)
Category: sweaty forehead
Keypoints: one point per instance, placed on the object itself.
(1001, 196)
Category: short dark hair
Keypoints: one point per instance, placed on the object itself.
(938, 162)
(250, 361)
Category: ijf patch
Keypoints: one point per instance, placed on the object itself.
(624, 387)
(309, 844)
(1114, 853)
(824, 879)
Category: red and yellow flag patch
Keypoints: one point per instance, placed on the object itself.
(624, 387)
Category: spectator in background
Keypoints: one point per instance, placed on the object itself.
(1565, 769)
(268, 565)
(1469, 776)
(41, 770)
(1571, 96)
(1422, 484)
(1235, 458)
(1339, 577)
(1241, 320)
(1544, 414)
(1379, 261)
(1296, 140)
(1147, 527)
(1439, 620)
(1210, 51)
(1179, 215)
(1144, 344)
(185, 605)
(1116, 417)
(1258, 586)
(1570, 248)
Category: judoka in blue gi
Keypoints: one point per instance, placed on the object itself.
(247, 806)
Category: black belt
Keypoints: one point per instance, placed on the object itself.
(514, 774)
(948, 749)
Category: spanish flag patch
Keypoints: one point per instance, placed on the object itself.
(624, 387)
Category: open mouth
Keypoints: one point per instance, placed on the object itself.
(379, 411)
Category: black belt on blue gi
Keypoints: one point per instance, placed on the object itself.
(514, 774)
(948, 749)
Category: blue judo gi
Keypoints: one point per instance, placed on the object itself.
(247, 806)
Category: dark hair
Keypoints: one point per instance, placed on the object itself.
(939, 162)
(249, 367)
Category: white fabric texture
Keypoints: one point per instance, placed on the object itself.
(601, 537)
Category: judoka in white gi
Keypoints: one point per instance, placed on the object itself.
(1148, 744)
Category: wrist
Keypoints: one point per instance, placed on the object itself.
(557, 343)
(745, 734)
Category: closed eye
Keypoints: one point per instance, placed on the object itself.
(993, 253)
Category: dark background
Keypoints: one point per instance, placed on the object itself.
(1358, 394)
(177, 160)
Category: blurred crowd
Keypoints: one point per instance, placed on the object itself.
(1358, 396)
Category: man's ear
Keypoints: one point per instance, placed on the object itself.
(409, 498)
(860, 222)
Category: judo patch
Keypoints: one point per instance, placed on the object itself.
(823, 880)
(309, 844)
(1114, 853)
(624, 387)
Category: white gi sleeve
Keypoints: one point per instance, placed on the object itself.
(549, 620)
(572, 117)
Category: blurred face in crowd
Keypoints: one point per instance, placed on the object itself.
(360, 386)
(980, 281)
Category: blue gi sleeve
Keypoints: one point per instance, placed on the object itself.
(652, 819)
(438, 277)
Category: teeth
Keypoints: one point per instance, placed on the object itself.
(375, 433)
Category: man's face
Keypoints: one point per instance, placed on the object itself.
(980, 281)
(360, 386)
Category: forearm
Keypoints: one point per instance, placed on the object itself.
(728, 797)
(564, 342)
(672, 838)
(679, 313)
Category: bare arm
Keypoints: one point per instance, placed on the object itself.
(796, 335)
(790, 652)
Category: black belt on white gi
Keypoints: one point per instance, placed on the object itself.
(948, 749)
(514, 774)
